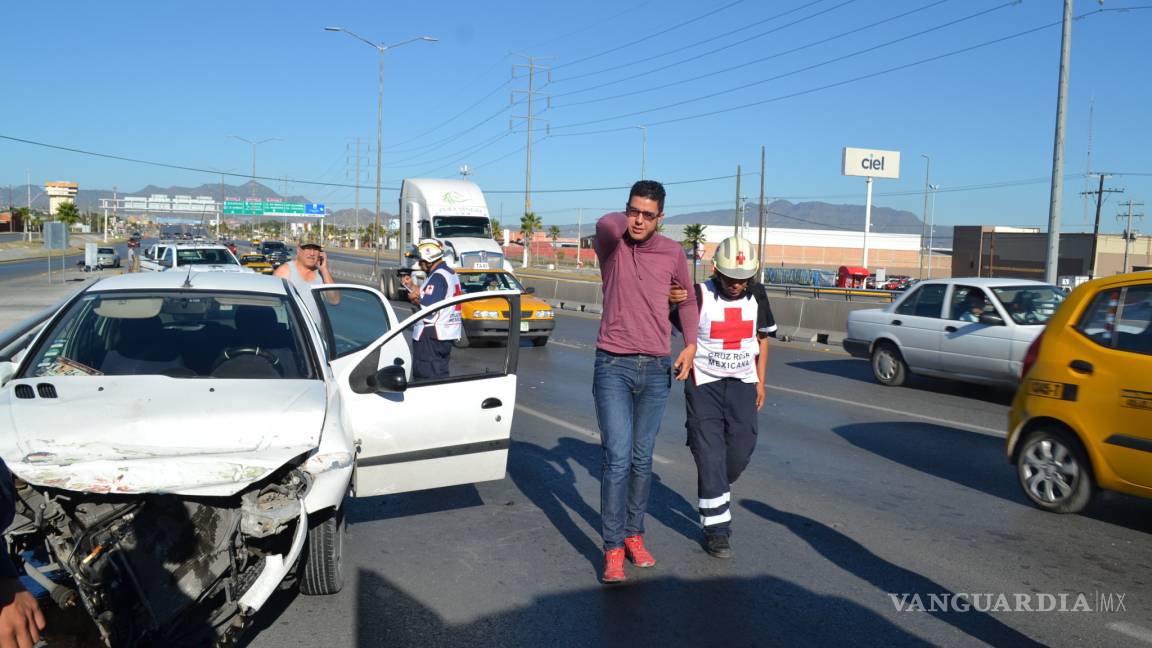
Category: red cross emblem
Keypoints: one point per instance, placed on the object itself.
(732, 329)
(740, 258)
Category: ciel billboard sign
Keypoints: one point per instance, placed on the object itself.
(871, 163)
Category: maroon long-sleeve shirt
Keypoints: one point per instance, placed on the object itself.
(636, 278)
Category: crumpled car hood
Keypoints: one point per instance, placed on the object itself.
(155, 434)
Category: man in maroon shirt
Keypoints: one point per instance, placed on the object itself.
(633, 364)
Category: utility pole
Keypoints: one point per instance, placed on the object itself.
(1052, 260)
(1096, 228)
(357, 156)
(760, 226)
(736, 228)
(28, 185)
(531, 93)
(1129, 235)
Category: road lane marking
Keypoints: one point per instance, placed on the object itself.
(572, 427)
(569, 345)
(888, 410)
(1132, 630)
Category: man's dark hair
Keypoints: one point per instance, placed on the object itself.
(648, 189)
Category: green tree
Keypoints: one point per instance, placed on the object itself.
(529, 225)
(693, 238)
(497, 230)
(554, 234)
(68, 214)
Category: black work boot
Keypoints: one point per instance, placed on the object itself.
(717, 546)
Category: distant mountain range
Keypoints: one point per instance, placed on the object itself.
(778, 214)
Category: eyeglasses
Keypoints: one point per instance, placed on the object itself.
(632, 212)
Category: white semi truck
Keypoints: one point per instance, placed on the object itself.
(451, 211)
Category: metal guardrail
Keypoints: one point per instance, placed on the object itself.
(825, 292)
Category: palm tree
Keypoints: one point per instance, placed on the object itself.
(529, 224)
(68, 214)
(497, 230)
(693, 239)
(554, 233)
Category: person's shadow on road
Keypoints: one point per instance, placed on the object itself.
(547, 477)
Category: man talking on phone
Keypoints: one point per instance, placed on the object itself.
(307, 269)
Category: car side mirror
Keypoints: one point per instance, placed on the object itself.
(991, 319)
(391, 379)
(166, 263)
(529, 290)
(7, 370)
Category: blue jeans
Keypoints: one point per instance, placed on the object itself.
(631, 392)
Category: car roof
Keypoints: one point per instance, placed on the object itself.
(208, 281)
(985, 282)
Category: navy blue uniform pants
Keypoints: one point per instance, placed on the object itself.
(722, 435)
(430, 357)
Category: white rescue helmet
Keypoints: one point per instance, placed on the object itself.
(429, 250)
(735, 258)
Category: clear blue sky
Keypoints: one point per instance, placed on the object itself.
(169, 82)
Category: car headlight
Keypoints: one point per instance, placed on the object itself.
(544, 314)
(486, 314)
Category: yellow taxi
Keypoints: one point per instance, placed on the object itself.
(488, 318)
(257, 262)
(1082, 417)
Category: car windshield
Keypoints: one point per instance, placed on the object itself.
(473, 282)
(201, 256)
(105, 251)
(253, 258)
(176, 334)
(274, 246)
(1029, 304)
(477, 226)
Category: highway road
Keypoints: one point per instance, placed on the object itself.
(860, 498)
(857, 494)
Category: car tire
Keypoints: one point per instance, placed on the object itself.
(1054, 471)
(322, 571)
(888, 365)
(462, 342)
(540, 341)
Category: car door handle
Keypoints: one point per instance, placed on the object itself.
(950, 329)
(490, 403)
(896, 322)
(1081, 366)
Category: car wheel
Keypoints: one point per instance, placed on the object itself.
(888, 365)
(323, 568)
(540, 341)
(1054, 471)
(462, 342)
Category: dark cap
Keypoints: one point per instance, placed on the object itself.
(311, 246)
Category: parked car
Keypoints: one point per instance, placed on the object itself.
(107, 257)
(485, 320)
(968, 329)
(226, 418)
(1082, 418)
(257, 262)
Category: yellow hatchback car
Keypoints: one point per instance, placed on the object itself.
(257, 262)
(1082, 417)
(484, 318)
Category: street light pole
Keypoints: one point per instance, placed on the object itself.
(643, 149)
(924, 222)
(254, 145)
(380, 48)
(1052, 258)
(932, 228)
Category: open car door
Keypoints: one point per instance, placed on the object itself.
(414, 433)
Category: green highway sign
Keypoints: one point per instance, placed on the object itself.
(260, 208)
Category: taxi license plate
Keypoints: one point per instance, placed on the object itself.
(1046, 389)
(523, 327)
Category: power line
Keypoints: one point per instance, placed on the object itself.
(764, 59)
(702, 42)
(815, 66)
(629, 43)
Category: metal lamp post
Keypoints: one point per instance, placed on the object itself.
(254, 145)
(924, 222)
(932, 227)
(380, 48)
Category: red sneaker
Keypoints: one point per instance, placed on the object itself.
(614, 566)
(637, 553)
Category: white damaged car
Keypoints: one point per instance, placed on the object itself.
(183, 444)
